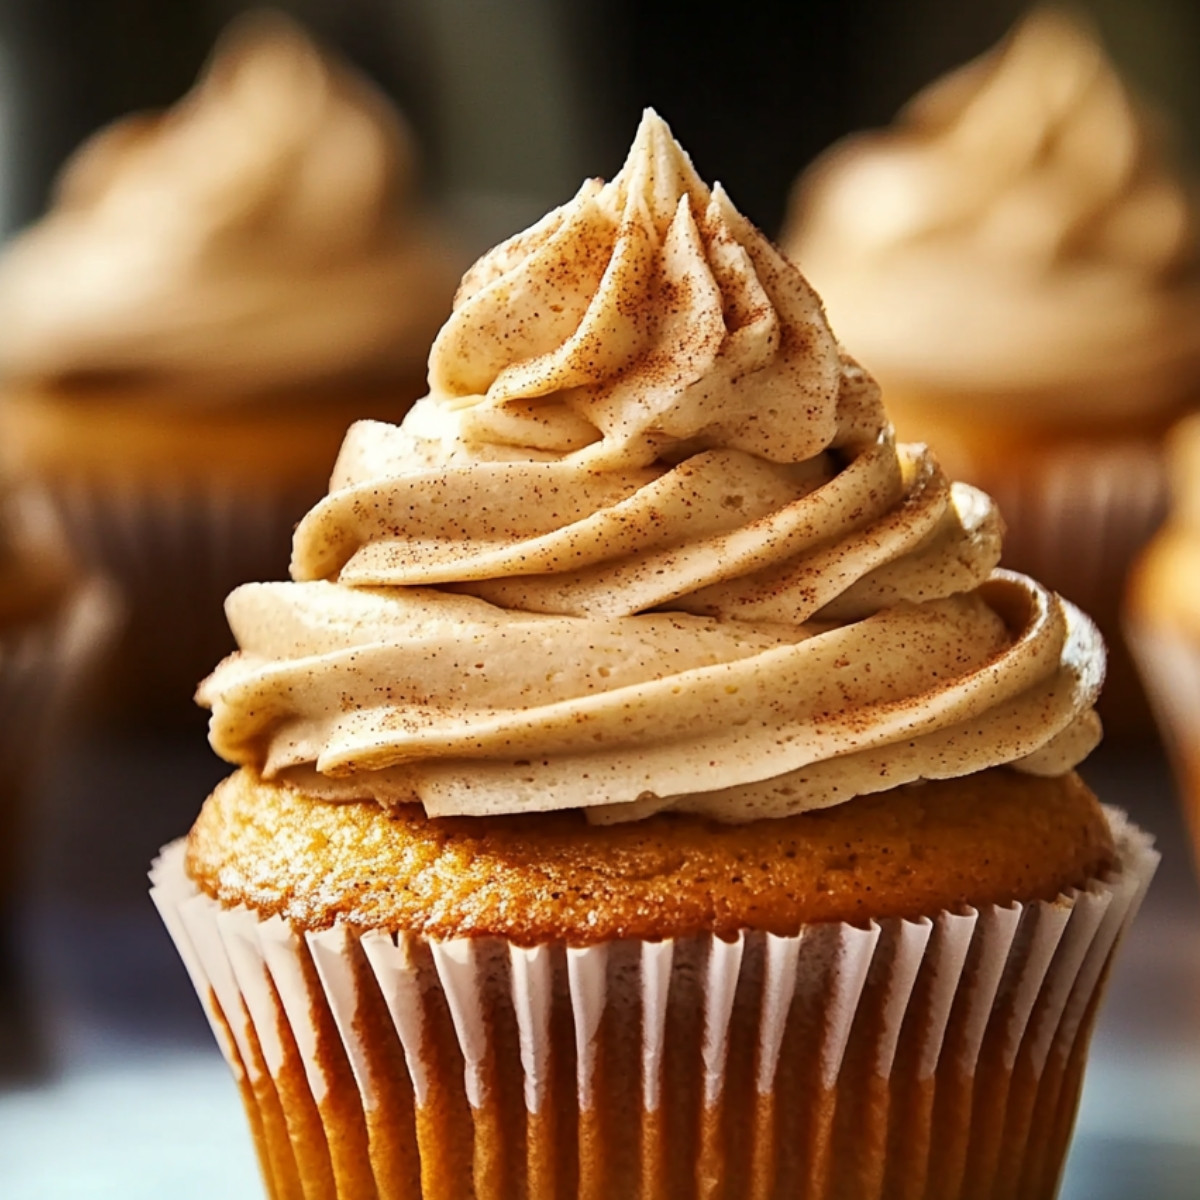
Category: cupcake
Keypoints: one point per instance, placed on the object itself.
(1162, 618)
(216, 292)
(1015, 261)
(54, 624)
(647, 785)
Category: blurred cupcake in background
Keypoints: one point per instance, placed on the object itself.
(1162, 618)
(54, 624)
(1016, 261)
(216, 292)
(53, 621)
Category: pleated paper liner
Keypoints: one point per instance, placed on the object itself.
(1076, 517)
(176, 549)
(936, 1058)
(1170, 665)
(43, 664)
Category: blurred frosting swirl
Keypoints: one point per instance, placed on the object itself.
(259, 234)
(1018, 233)
(649, 543)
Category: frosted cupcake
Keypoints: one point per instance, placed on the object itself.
(217, 291)
(646, 784)
(1015, 261)
(55, 623)
(1162, 618)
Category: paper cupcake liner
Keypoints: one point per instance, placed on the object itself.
(1076, 519)
(937, 1058)
(176, 550)
(1170, 666)
(43, 665)
(43, 662)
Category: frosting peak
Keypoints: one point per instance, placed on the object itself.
(649, 543)
(1018, 231)
(260, 233)
(646, 313)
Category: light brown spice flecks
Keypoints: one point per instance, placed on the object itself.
(648, 544)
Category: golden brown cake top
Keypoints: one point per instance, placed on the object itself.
(648, 544)
(261, 234)
(1019, 235)
(993, 838)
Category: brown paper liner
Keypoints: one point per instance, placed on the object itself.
(1170, 665)
(43, 664)
(179, 501)
(176, 549)
(1077, 515)
(938, 1058)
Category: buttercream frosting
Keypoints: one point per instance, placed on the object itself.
(649, 543)
(261, 233)
(1019, 234)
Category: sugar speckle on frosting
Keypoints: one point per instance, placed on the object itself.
(649, 543)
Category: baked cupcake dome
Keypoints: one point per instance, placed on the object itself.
(541, 879)
(643, 596)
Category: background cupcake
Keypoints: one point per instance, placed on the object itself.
(1162, 617)
(55, 624)
(216, 292)
(648, 785)
(1016, 261)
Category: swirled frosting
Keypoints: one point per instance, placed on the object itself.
(648, 543)
(259, 234)
(1018, 234)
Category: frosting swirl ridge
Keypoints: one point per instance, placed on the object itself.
(665, 554)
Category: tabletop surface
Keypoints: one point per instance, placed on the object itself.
(112, 1088)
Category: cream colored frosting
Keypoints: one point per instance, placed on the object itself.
(648, 544)
(260, 233)
(1018, 234)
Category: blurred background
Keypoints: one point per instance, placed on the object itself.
(514, 103)
(109, 1084)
